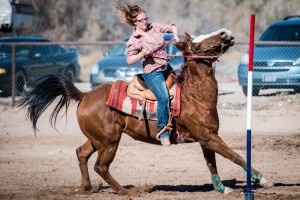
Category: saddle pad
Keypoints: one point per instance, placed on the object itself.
(119, 100)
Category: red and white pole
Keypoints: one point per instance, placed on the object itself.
(248, 193)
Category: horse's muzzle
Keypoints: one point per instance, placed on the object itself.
(229, 42)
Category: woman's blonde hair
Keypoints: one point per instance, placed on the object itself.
(127, 12)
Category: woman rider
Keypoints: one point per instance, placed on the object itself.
(147, 44)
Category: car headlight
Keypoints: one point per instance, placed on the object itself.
(8, 12)
(245, 59)
(95, 69)
(296, 62)
(2, 71)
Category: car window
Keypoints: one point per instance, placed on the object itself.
(119, 50)
(171, 49)
(5, 50)
(42, 50)
(281, 33)
(56, 49)
(23, 51)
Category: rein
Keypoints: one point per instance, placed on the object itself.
(194, 56)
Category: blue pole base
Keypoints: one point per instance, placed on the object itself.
(249, 196)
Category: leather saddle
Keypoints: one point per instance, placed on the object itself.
(138, 89)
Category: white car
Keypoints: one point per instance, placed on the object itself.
(15, 14)
(5, 15)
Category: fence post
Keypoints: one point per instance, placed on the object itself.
(13, 75)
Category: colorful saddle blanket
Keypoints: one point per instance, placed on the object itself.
(119, 100)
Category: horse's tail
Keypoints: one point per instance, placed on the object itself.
(39, 97)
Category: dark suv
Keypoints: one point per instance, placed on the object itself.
(276, 62)
(33, 60)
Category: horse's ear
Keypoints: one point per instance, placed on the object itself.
(183, 44)
(187, 37)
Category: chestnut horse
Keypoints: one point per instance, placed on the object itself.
(103, 126)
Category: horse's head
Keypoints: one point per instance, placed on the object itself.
(213, 44)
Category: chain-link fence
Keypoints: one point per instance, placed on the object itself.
(276, 65)
(25, 62)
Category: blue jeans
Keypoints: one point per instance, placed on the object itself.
(156, 81)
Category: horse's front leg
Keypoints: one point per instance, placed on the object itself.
(210, 158)
(83, 153)
(216, 144)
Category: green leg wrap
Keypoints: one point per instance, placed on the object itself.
(255, 175)
(218, 185)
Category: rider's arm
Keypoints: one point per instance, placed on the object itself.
(132, 59)
(134, 52)
(175, 32)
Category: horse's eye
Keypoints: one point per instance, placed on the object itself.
(223, 34)
(197, 46)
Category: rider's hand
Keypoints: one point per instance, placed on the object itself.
(177, 39)
(145, 52)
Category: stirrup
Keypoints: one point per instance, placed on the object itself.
(168, 127)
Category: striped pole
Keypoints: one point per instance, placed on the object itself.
(248, 193)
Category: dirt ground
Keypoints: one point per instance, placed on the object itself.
(45, 167)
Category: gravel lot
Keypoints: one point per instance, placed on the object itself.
(46, 167)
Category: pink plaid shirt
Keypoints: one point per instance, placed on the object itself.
(154, 43)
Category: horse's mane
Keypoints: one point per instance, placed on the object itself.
(183, 46)
(177, 75)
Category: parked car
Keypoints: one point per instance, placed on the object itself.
(34, 61)
(5, 15)
(114, 66)
(22, 15)
(16, 15)
(275, 65)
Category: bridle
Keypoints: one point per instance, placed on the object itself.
(195, 56)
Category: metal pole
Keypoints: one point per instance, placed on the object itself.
(248, 193)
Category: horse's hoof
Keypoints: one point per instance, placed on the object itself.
(81, 190)
(227, 190)
(132, 192)
(88, 189)
(265, 183)
(97, 187)
(123, 193)
(140, 189)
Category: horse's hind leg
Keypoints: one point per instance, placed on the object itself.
(216, 144)
(105, 157)
(210, 158)
(83, 153)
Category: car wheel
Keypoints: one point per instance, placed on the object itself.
(255, 91)
(297, 89)
(70, 75)
(5, 93)
(8, 29)
(21, 83)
